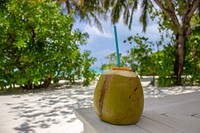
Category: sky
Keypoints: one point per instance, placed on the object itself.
(102, 44)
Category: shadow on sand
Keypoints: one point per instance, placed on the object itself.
(46, 109)
(49, 108)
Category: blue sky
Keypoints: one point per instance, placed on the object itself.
(103, 44)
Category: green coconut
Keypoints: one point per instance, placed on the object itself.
(118, 97)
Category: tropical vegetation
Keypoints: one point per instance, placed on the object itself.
(38, 45)
(146, 58)
(85, 10)
(174, 16)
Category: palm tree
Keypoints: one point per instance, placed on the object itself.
(71, 4)
(86, 10)
(178, 12)
(127, 8)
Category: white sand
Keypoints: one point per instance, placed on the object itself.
(53, 111)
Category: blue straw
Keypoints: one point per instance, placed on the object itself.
(117, 48)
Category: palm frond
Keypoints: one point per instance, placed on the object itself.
(134, 6)
(106, 4)
(126, 16)
(85, 10)
(144, 15)
(81, 2)
(118, 7)
(97, 22)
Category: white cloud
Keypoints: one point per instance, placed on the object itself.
(103, 44)
(153, 32)
(94, 31)
(100, 55)
(104, 53)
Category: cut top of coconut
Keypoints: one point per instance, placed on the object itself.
(121, 73)
(122, 68)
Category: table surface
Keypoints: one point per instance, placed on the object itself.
(171, 114)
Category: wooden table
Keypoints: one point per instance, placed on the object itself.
(172, 114)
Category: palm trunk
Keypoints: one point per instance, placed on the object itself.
(180, 57)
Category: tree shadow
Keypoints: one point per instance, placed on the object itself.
(46, 109)
(25, 128)
(42, 110)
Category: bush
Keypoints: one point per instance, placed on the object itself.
(38, 44)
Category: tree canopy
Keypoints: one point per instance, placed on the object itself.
(38, 45)
(175, 14)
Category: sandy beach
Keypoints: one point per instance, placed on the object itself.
(53, 111)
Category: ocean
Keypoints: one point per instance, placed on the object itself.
(98, 70)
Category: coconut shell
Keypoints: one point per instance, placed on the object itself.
(118, 97)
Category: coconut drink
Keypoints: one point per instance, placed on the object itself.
(118, 97)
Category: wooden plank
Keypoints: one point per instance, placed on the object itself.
(83, 115)
(95, 125)
(173, 114)
(191, 121)
(145, 125)
(182, 126)
(153, 126)
(177, 112)
(185, 114)
(189, 107)
(154, 103)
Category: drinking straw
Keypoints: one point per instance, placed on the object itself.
(117, 48)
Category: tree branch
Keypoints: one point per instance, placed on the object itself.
(189, 13)
(170, 13)
(190, 1)
(170, 5)
(34, 35)
(191, 10)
